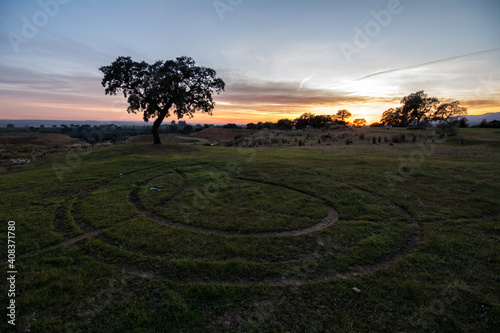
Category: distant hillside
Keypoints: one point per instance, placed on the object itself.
(41, 139)
(476, 119)
(49, 123)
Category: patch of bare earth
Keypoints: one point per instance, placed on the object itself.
(220, 134)
(42, 139)
(169, 139)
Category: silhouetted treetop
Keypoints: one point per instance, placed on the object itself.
(447, 111)
(343, 114)
(417, 106)
(359, 122)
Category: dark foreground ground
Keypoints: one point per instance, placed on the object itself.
(330, 236)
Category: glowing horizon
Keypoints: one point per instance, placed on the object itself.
(320, 57)
(368, 115)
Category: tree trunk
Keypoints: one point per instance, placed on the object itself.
(156, 128)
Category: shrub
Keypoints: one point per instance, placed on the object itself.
(446, 129)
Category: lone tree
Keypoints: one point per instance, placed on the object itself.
(176, 86)
(359, 122)
(343, 114)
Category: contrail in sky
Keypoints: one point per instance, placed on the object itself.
(425, 63)
(304, 81)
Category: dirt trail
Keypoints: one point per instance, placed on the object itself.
(328, 221)
(332, 216)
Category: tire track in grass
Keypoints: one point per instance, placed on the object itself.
(329, 220)
(354, 271)
(87, 231)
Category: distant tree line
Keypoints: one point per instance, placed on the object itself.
(307, 120)
(104, 133)
(418, 110)
(492, 124)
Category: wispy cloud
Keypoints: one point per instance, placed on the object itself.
(426, 64)
(272, 93)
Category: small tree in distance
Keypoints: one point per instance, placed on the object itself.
(157, 89)
(343, 114)
(359, 122)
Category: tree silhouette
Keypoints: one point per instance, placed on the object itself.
(343, 114)
(284, 124)
(391, 117)
(156, 89)
(359, 122)
(417, 106)
(304, 120)
(447, 111)
(320, 120)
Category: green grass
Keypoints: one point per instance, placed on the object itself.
(189, 239)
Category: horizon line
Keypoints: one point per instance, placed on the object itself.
(168, 122)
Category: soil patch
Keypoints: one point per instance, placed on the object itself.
(221, 134)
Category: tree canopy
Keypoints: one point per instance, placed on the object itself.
(446, 111)
(359, 122)
(156, 90)
(343, 114)
(391, 117)
(418, 108)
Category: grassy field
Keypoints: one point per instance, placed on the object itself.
(361, 236)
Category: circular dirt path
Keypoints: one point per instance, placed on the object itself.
(332, 216)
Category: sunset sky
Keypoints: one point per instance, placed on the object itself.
(278, 58)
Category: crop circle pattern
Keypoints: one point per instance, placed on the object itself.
(159, 229)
